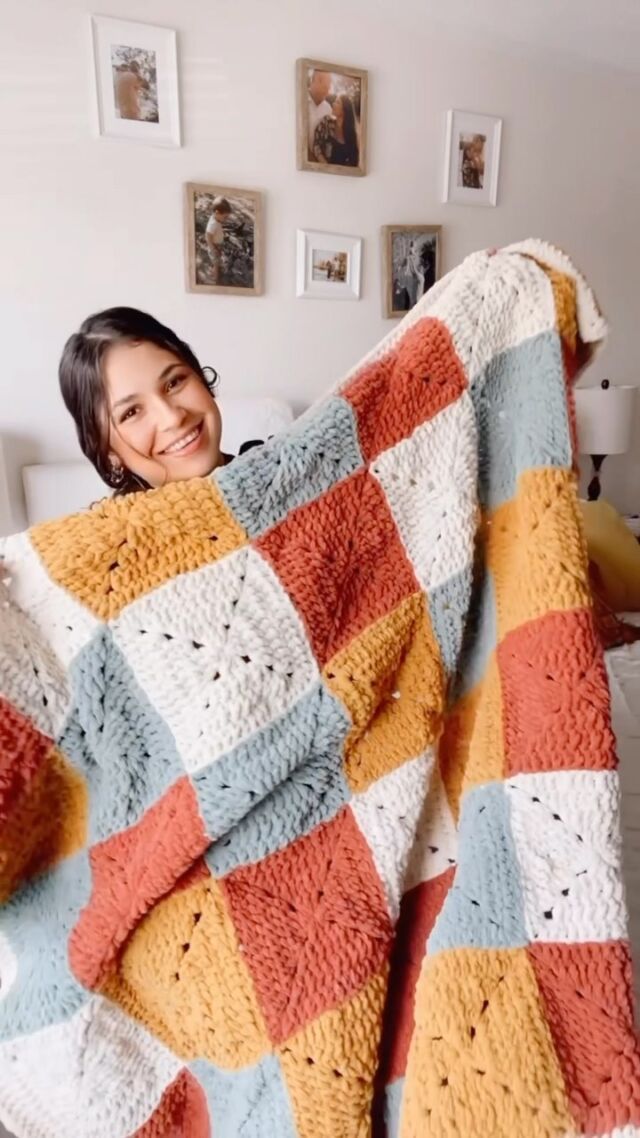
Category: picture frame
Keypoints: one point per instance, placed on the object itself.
(223, 234)
(135, 81)
(411, 265)
(329, 266)
(472, 158)
(331, 121)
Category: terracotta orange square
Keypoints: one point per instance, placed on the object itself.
(535, 550)
(313, 921)
(131, 871)
(395, 394)
(585, 990)
(556, 697)
(182, 973)
(329, 1066)
(47, 822)
(23, 750)
(181, 1112)
(124, 547)
(391, 680)
(342, 562)
(418, 912)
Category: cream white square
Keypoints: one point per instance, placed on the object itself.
(220, 653)
(66, 625)
(566, 833)
(99, 1067)
(42, 630)
(455, 300)
(436, 846)
(430, 483)
(387, 814)
(518, 304)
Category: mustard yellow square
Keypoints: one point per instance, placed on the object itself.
(124, 547)
(482, 1059)
(182, 974)
(535, 550)
(564, 295)
(391, 681)
(329, 1066)
(472, 745)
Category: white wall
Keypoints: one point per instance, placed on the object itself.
(87, 222)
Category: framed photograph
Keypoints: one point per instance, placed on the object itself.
(332, 118)
(136, 81)
(223, 240)
(411, 259)
(329, 266)
(472, 158)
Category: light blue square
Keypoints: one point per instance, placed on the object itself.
(251, 1103)
(480, 636)
(278, 785)
(392, 1107)
(116, 739)
(448, 608)
(521, 424)
(483, 908)
(264, 485)
(37, 922)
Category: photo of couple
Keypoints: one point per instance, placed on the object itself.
(331, 129)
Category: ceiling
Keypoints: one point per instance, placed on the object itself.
(605, 32)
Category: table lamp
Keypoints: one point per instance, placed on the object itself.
(605, 425)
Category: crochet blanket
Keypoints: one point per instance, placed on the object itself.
(308, 801)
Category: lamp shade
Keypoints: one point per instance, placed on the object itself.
(605, 419)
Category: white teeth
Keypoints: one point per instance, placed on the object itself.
(183, 442)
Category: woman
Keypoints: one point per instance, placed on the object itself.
(143, 406)
(336, 137)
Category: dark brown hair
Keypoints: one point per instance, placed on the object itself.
(83, 388)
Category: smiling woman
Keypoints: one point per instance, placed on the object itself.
(143, 406)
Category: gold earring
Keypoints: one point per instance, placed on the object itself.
(116, 475)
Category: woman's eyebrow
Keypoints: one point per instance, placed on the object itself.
(133, 397)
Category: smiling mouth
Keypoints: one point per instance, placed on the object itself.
(187, 443)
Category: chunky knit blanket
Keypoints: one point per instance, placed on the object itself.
(308, 801)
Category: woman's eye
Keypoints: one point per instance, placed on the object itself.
(129, 413)
(175, 382)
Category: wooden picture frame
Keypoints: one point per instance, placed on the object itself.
(346, 155)
(223, 247)
(399, 295)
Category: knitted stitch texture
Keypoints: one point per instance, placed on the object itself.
(308, 801)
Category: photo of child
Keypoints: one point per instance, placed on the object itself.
(222, 254)
(135, 83)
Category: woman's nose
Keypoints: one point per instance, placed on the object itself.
(168, 415)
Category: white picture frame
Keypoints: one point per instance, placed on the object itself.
(135, 81)
(472, 158)
(328, 265)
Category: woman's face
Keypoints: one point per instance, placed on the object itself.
(164, 425)
(338, 112)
